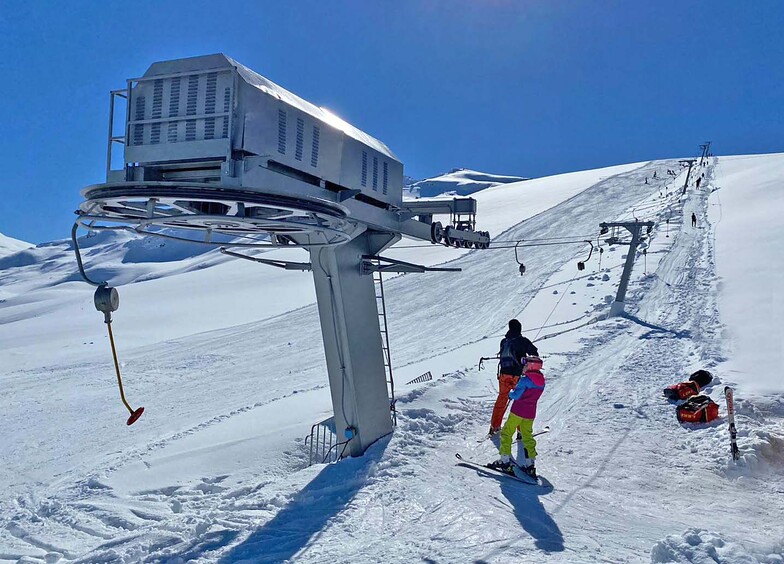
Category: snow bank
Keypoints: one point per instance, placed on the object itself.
(746, 208)
(703, 547)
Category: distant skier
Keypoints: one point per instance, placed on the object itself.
(525, 395)
(698, 181)
(693, 220)
(654, 174)
(514, 349)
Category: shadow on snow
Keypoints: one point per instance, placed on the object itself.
(656, 330)
(309, 512)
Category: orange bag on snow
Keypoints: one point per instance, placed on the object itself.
(684, 390)
(698, 409)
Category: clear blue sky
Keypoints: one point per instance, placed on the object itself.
(526, 87)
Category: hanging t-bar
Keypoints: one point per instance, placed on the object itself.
(107, 300)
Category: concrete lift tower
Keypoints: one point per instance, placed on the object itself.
(214, 149)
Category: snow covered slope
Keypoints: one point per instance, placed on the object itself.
(459, 182)
(9, 245)
(746, 207)
(227, 361)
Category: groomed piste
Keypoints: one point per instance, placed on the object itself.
(217, 470)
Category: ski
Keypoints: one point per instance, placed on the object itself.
(520, 477)
(731, 418)
(545, 429)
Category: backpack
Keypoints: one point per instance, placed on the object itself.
(701, 377)
(698, 409)
(684, 390)
(507, 358)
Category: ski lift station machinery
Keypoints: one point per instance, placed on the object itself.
(216, 153)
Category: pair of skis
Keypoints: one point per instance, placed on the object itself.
(728, 395)
(518, 475)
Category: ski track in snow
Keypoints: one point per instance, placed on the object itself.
(625, 475)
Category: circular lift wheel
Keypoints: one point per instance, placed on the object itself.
(448, 240)
(436, 232)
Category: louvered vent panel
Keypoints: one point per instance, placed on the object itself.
(385, 178)
(174, 110)
(375, 174)
(314, 153)
(209, 105)
(138, 129)
(300, 139)
(226, 109)
(189, 108)
(281, 132)
(193, 95)
(157, 111)
(364, 168)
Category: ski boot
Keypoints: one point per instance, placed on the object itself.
(503, 464)
(530, 471)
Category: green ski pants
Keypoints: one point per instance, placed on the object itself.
(526, 429)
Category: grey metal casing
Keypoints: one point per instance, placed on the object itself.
(212, 108)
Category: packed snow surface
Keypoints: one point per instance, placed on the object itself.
(226, 358)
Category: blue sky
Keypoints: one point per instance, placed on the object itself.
(524, 87)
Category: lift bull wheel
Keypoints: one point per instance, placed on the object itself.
(227, 211)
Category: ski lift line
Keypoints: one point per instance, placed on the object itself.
(565, 240)
(586, 324)
(554, 308)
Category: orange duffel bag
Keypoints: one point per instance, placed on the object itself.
(698, 409)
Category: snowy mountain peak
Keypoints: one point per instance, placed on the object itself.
(9, 245)
(459, 182)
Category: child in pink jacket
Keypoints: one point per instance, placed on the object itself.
(525, 395)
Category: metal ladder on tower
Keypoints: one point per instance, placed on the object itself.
(378, 283)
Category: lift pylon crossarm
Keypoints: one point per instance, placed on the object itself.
(284, 264)
(625, 224)
(372, 263)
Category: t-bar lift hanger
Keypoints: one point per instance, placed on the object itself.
(106, 300)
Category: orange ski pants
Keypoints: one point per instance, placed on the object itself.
(506, 384)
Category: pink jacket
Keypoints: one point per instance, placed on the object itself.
(527, 392)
